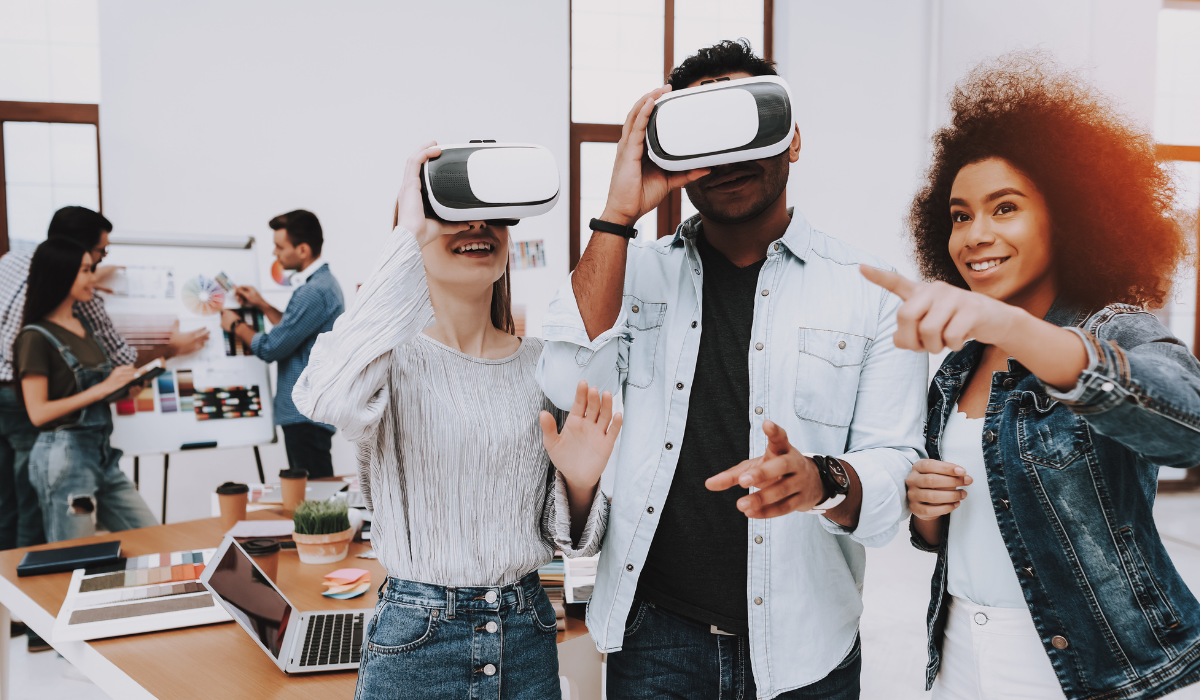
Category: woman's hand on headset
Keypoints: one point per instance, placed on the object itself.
(410, 210)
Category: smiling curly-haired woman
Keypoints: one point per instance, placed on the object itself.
(1046, 228)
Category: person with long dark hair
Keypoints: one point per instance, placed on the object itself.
(469, 496)
(65, 377)
(1046, 230)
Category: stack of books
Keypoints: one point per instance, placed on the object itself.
(552, 576)
(579, 578)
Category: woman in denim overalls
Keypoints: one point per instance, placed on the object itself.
(73, 467)
(1048, 226)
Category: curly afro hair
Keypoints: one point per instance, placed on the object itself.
(1115, 236)
(723, 57)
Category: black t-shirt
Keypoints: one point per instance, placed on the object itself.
(697, 562)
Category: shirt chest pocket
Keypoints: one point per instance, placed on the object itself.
(639, 344)
(827, 375)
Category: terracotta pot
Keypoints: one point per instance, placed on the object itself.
(323, 549)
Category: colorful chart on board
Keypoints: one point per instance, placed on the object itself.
(203, 296)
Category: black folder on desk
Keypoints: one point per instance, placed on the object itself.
(52, 561)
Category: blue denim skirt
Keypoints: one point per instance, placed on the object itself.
(428, 641)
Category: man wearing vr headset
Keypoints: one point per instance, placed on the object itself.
(750, 354)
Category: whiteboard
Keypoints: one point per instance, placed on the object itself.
(219, 396)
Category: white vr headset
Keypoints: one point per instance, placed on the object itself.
(500, 183)
(719, 122)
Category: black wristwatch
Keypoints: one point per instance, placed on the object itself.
(836, 482)
(627, 232)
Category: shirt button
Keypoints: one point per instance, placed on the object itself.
(634, 309)
(758, 410)
(1059, 641)
(776, 246)
(669, 445)
(629, 567)
(981, 618)
(489, 670)
(491, 627)
(758, 346)
(650, 509)
(696, 270)
(490, 596)
(765, 292)
(693, 324)
(841, 345)
(758, 539)
(989, 437)
(679, 385)
(758, 601)
(1009, 384)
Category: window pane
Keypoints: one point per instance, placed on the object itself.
(616, 57)
(595, 171)
(701, 23)
(1177, 84)
(46, 167)
(1179, 313)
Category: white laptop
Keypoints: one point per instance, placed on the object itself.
(298, 642)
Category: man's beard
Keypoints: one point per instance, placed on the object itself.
(773, 181)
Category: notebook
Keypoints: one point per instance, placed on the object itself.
(52, 561)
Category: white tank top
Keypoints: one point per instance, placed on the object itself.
(979, 568)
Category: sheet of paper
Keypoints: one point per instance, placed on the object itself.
(262, 528)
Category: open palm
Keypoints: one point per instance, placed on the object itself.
(582, 449)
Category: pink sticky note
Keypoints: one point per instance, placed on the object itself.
(344, 576)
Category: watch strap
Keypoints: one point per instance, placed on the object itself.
(627, 232)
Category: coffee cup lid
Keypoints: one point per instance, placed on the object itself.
(261, 546)
(231, 488)
(293, 474)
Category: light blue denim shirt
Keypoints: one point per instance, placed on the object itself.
(822, 365)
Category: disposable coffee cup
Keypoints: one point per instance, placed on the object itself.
(232, 498)
(293, 483)
(265, 553)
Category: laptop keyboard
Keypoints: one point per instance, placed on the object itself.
(333, 639)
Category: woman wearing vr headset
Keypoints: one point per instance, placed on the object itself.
(469, 495)
(1046, 230)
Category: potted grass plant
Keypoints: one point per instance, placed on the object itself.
(323, 531)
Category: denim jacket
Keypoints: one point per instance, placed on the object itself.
(1073, 477)
(822, 365)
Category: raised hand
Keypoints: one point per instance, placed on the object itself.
(638, 185)
(410, 211)
(582, 449)
(787, 479)
(936, 315)
(935, 488)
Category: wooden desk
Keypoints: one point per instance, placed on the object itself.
(218, 660)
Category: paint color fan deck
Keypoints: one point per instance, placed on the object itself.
(139, 594)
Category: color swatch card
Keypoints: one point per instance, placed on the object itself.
(147, 593)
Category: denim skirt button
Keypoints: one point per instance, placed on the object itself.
(490, 596)
(1009, 384)
(491, 627)
(989, 437)
(489, 670)
(1059, 642)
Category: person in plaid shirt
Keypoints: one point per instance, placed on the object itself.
(20, 516)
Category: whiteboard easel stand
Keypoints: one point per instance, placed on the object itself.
(167, 466)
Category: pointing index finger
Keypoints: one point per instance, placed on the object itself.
(893, 282)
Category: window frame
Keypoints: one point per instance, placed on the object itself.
(669, 215)
(53, 113)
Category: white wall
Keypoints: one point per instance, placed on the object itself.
(219, 115)
(871, 79)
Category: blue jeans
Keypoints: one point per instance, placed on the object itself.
(665, 655)
(80, 484)
(20, 515)
(432, 642)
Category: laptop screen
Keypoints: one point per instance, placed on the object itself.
(252, 598)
